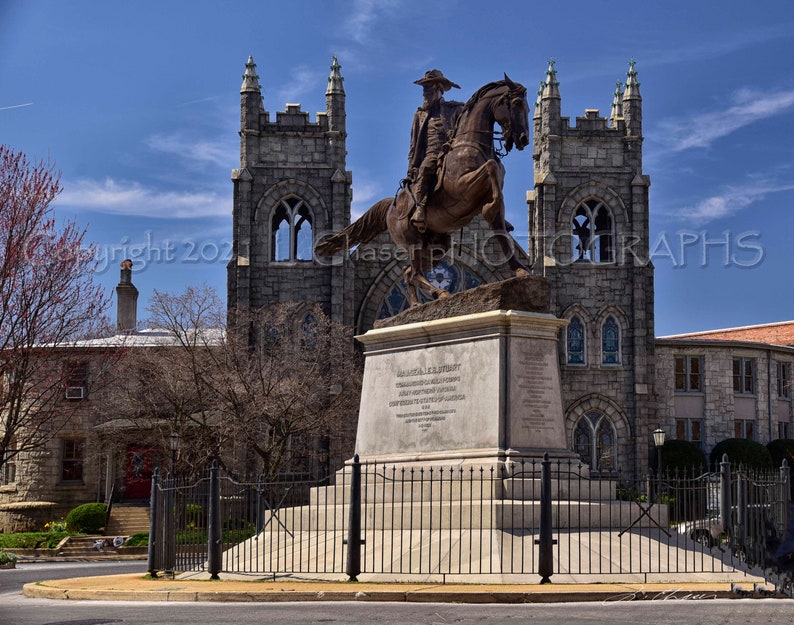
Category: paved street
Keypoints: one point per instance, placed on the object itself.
(17, 610)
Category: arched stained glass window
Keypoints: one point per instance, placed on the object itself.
(576, 342)
(593, 233)
(610, 341)
(595, 440)
(292, 233)
(452, 278)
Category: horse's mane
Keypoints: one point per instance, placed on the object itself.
(475, 97)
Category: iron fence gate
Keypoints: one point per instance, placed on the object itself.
(524, 518)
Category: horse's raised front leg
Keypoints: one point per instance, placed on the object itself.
(413, 298)
(491, 210)
(415, 277)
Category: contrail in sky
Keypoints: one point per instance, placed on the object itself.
(15, 106)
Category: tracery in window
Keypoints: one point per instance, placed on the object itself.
(610, 341)
(292, 236)
(575, 342)
(596, 441)
(592, 232)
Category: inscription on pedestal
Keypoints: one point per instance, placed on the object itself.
(535, 383)
(425, 395)
(432, 398)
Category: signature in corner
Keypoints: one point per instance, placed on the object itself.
(663, 595)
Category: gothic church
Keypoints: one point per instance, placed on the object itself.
(588, 225)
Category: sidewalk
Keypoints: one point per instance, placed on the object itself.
(137, 587)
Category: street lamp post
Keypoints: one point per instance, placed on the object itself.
(173, 443)
(658, 441)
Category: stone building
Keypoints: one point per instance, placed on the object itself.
(587, 215)
(733, 383)
(291, 189)
(588, 224)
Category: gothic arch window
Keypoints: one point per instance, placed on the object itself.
(592, 229)
(610, 341)
(595, 439)
(575, 342)
(292, 236)
(450, 277)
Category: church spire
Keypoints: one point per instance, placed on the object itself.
(551, 86)
(632, 86)
(335, 99)
(251, 109)
(632, 104)
(335, 80)
(617, 105)
(250, 78)
(538, 99)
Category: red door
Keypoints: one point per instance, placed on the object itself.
(140, 464)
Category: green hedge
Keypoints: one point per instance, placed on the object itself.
(32, 540)
(682, 456)
(747, 453)
(141, 539)
(782, 449)
(88, 518)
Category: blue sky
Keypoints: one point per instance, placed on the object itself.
(137, 104)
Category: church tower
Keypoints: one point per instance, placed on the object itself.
(588, 221)
(291, 188)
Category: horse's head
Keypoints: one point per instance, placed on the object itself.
(512, 113)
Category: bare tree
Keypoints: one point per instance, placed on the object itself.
(291, 386)
(48, 300)
(274, 394)
(166, 387)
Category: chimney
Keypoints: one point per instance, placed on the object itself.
(127, 298)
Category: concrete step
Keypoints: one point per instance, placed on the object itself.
(127, 520)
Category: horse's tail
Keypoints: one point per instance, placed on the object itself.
(362, 230)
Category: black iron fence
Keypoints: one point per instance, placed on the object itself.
(545, 518)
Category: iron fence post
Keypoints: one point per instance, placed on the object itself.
(170, 526)
(214, 533)
(741, 509)
(153, 525)
(545, 542)
(353, 565)
(260, 505)
(785, 494)
(725, 495)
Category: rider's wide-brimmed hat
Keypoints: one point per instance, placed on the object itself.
(435, 76)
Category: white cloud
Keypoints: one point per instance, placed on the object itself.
(196, 151)
(733, 200)
(363, 19)
(304, 80)
(133, 199)
(365, 194)
(700, 131)
(15, 106)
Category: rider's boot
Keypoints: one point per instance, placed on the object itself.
(418, 218)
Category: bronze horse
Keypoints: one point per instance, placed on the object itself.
(470, 181)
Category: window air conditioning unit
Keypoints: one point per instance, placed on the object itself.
(75, 392)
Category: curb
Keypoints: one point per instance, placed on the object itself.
(429, 594)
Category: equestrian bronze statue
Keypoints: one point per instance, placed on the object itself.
(469, 182)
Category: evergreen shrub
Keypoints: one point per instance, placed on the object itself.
(88, 518)
(741, 451)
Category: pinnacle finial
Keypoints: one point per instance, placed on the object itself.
(617, 104)
(250, 78)
(632, 85)
(551, 86)
(335, 80)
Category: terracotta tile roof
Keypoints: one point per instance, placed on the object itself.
(781, 333)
